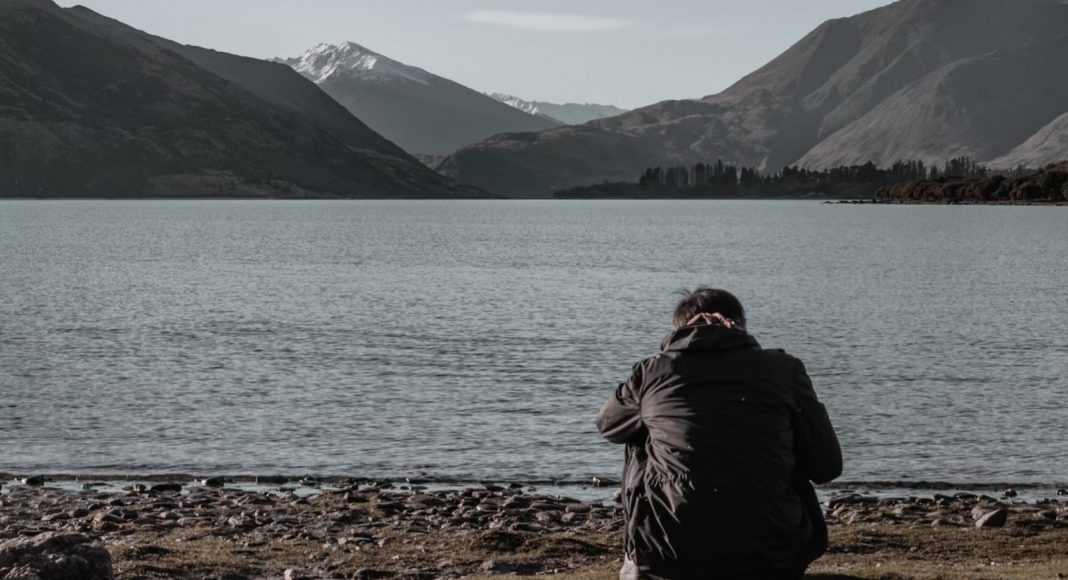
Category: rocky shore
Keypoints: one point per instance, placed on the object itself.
(381, 530)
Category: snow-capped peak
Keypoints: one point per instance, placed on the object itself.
(567, 113)
(327, 61)
(523, 105)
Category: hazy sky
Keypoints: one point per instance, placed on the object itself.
(623, 52)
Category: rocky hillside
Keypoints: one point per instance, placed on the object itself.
(918, 79)
(91, 107)
(423, 113)
(981, 108)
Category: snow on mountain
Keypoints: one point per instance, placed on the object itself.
(92, 107)
(423, 113)
(327, 61)
(527, 106)
(567, 113)
(917, 79)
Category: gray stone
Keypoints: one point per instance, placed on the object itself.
(993, 519)
(166, 488)
(297, 574)
(55, 556)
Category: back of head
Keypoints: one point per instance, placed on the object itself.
(705, 300)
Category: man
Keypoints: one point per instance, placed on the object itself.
(722, 439)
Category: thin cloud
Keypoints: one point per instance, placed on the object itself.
(547, 21)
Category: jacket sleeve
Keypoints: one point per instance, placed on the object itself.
(819, 455)
(620, 418)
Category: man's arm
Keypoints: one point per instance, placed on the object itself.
(818, 453)
(620, 418)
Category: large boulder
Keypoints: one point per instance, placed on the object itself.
(55, 556)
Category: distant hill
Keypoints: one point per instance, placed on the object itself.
(567, 113)
(928, 80)
(421, 112)
(92, 107)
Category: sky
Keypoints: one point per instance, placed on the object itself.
(627, 53)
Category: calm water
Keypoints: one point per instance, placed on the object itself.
(479, 339)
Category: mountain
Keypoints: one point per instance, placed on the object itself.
(1048, 145)
(980, 107)
(92, 107)
(566, 114)
(421, 112)
(923, 79)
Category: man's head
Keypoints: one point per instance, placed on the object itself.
(705, 300)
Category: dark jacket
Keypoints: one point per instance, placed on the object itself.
(721, 439)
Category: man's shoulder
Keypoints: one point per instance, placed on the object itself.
(779, 353)
(780, 356)
(653, 366)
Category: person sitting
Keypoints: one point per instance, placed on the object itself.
(722, 441)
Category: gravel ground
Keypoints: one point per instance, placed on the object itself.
(367, 530)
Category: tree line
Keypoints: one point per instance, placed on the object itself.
(723, 180)
(1048, 185)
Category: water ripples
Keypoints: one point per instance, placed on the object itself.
(479, 339)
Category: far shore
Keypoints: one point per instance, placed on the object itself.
(826, 200)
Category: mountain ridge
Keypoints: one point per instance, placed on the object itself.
(423, 113)
(775, 116)
(563, 113)
(96, 108)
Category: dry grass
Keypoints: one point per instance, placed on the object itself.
(885, 552)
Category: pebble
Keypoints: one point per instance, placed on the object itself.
(213, 481)
(296, 574)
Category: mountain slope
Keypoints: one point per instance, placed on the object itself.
(1048, 145)
(91, 107)
(567, 113)
(835, 76)
(421, 112)
(980, 108)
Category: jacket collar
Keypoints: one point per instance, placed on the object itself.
(707, 337)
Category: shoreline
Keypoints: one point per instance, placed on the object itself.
(822, 200)
(590, 487)
(379, 530)
(592, 481)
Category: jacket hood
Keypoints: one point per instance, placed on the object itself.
(707, 337)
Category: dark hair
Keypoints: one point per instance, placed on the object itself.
(707, 300)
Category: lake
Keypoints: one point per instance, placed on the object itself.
(478, 339)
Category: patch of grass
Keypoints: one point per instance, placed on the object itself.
(498, 541)
(553, 546)
(861, 552)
